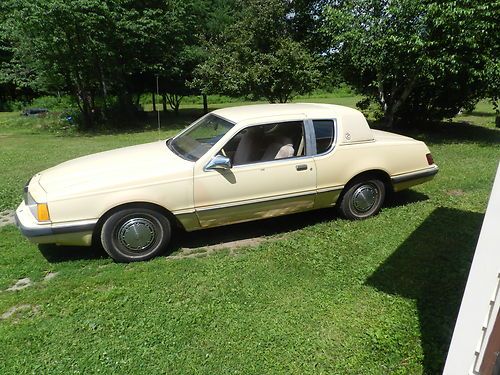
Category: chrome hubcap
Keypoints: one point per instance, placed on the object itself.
(364, 197)
(137, 234)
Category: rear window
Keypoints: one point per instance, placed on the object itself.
(324, 130)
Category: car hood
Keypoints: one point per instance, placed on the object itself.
(126, 167)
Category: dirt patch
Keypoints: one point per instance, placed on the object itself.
(21, 284)
(455, 192)
(50, 276)
(232, 237)
(6, 218)
(26, 282)
(198, 252)
(15, 311)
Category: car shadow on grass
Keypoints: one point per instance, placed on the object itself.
(275, 226)
(431, 266)
(57, 254)
(403, 198)
(250, 230)
(230, 234)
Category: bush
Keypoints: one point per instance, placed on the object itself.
(54, 103)
(12, 106)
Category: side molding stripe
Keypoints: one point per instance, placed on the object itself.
(254, 201)
(415, 175)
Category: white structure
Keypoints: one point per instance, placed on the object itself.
(481, 300)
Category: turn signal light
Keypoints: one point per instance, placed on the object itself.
(42, 211)
(430, 160)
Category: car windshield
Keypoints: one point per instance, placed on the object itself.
(194, 142)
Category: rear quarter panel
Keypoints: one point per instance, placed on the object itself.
(346, 161)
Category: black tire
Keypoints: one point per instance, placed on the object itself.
(362, 198)
(135, 234)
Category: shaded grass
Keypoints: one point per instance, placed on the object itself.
(322, 295)
(406, 273)
(482, 115)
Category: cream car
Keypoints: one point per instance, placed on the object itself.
(232, 165)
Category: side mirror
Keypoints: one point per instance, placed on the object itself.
(218, 162)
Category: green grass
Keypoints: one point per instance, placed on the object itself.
(320, 296)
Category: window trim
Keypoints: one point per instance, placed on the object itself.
(169, 141)
(306, 131)
(313, 135)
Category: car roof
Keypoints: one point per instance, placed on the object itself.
(311, 110)
(353, 125)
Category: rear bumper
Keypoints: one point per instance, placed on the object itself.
(405, 180)
(77, 233)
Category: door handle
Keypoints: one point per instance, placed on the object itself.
(301, 167)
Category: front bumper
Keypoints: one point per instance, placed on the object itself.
(78, 233)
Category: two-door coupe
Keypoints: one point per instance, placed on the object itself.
(232, 165)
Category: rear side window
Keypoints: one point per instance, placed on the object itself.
(324, 130)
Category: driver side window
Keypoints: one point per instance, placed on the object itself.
(266, 142)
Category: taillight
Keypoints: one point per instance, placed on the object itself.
(430, 160)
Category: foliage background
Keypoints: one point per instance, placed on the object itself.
(415, 61)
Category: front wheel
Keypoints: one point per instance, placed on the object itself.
(135, 234)
(362, 199)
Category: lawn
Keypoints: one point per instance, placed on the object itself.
(315, 295)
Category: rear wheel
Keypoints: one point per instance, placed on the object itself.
(362, 199)
(135, 234)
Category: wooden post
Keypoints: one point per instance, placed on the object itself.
(154, 102)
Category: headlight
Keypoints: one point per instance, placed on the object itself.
(25, 191)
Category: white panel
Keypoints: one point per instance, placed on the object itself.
(481, 285)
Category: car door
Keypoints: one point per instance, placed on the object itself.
(256, 189)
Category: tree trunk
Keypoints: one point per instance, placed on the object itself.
(84, 103)
(394, 105)
(381, 93)
(164, 102)
(104, 88)
(154, 102)
(174, 101)
(283, 98)
(205, 104)
(86, 110)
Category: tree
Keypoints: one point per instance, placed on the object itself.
(175, 80)
(417, 59)
(304, 18)
(61, 45)
(492, 83)
(10, 86)
(257, 56)
(187, 52)
(178, 53)
(95, 50)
